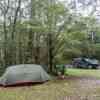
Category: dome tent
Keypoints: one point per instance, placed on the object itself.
(24, 73)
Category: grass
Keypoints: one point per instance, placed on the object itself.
(83, 72)
(52, 90)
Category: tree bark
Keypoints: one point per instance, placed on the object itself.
(50, 52)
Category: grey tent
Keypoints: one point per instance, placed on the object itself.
(24, 73)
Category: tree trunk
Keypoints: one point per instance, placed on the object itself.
(50, 53)
(5, 41)
(37, 48)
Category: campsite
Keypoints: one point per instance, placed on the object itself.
(78, 85)
(49, 49)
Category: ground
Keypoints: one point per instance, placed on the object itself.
(78, 85)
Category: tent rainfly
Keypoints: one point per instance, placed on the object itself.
(24, 73)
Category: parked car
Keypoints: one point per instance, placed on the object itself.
(86, 63)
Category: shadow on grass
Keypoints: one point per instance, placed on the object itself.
(22, 84)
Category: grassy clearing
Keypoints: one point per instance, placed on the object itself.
(52, 90)
(83, 72)
(55, 90)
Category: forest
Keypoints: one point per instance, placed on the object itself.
(48, 33)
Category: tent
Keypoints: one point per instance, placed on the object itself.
(24, 73)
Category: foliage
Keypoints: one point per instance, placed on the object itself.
(46, 32)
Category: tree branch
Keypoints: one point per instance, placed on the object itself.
(15, 18)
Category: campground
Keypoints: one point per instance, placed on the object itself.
(78, 83)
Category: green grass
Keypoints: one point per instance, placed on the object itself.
(52, 90)
(83, 72)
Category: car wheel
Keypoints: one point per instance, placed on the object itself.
(94, 67)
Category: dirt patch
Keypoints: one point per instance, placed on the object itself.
(84, 88)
